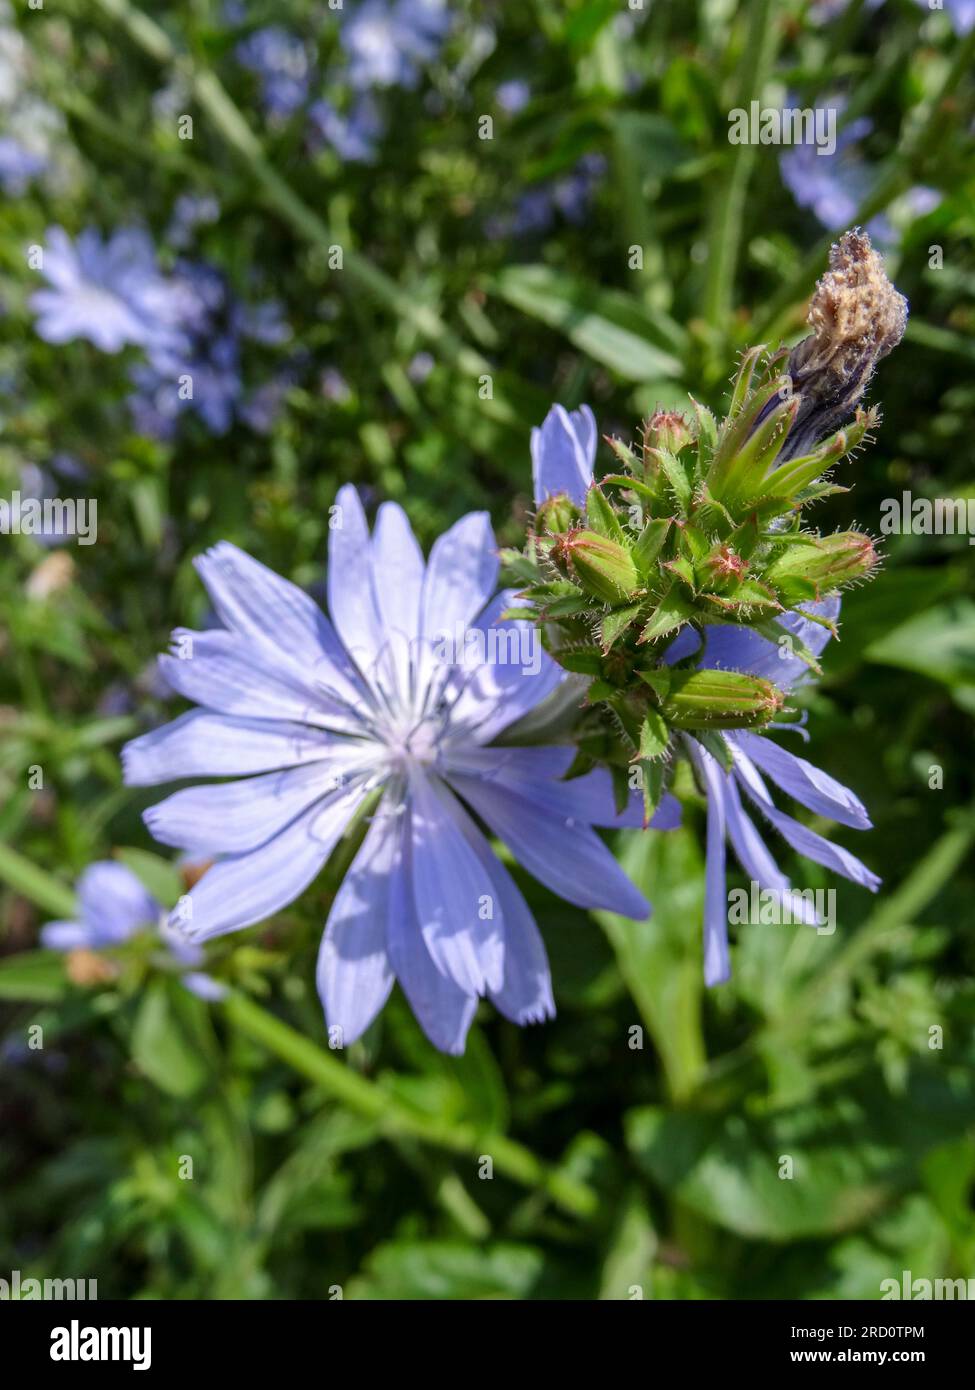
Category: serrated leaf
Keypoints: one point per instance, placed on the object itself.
(670, 614)
(601, 517)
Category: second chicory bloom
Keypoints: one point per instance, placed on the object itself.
(110, 292)
(388, 41)
(563, 454)
(404, 693)
(741, 649)
(113, 907)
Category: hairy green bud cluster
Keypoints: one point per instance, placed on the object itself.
(704, 524)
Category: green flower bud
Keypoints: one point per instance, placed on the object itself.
(817, 566)
(667, 429)
(603, 567)
(556, 514)
(706, 699)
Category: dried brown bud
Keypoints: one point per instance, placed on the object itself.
(857, 318)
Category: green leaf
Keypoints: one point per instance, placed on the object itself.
(34, 976)
(671, 613)
(162, 878)
(849, 1154)
(616, 622)
(660, 958)
(611, 327)
(162, 1047)
(939, 643)
(601, 517)
(32, 882)
(413, 1269)
(650, 543)
(654, 736)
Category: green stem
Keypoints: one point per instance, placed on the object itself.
(727, 211)
(903, 168)
(510, 1159)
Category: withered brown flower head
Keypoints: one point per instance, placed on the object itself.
(857, 318)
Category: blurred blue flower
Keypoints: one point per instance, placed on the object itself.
(389, 41)
(18, 166)
(190, 211)
(537, 208)
(834, 186)
(353, 135)
(113, 906)
(513, 96)
(563, 452)
(280, 60)
(403, 694)
(200, 368)
(110, 292)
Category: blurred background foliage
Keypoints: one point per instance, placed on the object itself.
(616, 1165)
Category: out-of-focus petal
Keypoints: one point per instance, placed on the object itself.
(563, 450)
(114, 903)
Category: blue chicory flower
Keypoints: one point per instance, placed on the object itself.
(110, 292)
(280, 61)
(204, 357)
(404, 692)
(513, 96)
(354, 135)
(563, 454)
(18, 166)
(114, 906)
(389, 41)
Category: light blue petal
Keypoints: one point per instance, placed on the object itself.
(755, 858)
(234, 817)
(201, 744)
(563, 450)
(732, 648)
(809, 785)
(568, 857)
(281, 620)
(525, 993)
(398, 571)
(460, 920)
(229, 674)
(247, 888)
(504, 673)
(802, 840)
(717, 965)
(354, 975)
(351, 599)
(444, 1011)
